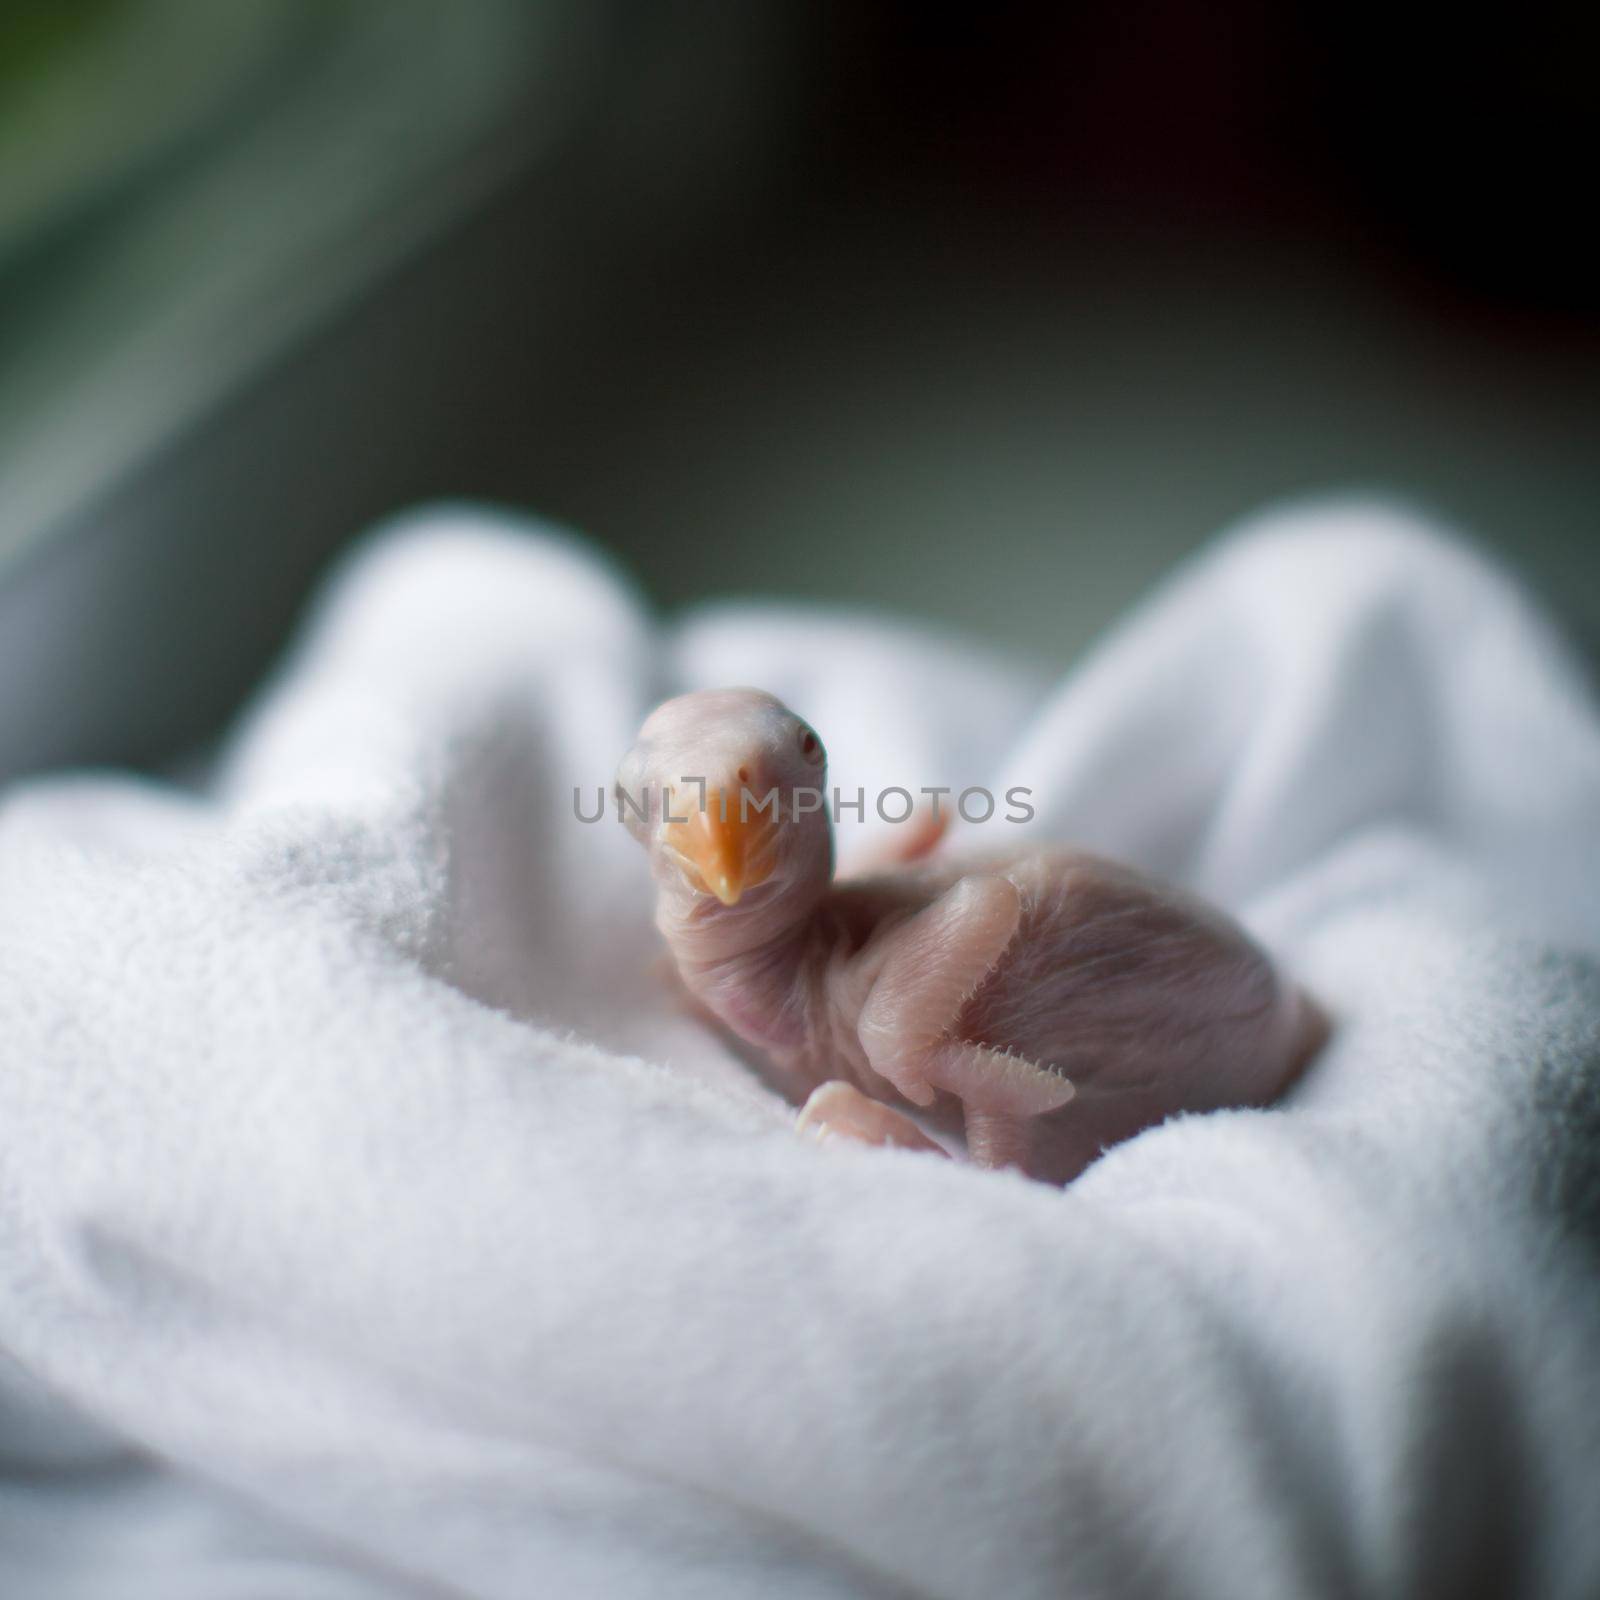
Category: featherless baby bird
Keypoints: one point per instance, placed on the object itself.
(1046, 1002)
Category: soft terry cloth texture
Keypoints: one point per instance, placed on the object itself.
(356, 1165)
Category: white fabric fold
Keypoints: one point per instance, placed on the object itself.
(358, 1168)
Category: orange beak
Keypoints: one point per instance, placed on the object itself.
(720, 849)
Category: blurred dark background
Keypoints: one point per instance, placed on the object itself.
(987, 314)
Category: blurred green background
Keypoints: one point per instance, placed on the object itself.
(985, 315)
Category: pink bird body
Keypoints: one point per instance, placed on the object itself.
(1049, 1002)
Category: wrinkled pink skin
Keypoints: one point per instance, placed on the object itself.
(1050, 1002)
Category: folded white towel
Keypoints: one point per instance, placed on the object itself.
(356, 1165)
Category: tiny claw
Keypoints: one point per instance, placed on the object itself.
(839, 1109)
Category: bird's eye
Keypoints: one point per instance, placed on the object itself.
(810, 746)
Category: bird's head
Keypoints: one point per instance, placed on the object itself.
(724, 788)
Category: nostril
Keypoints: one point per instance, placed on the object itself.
(744, 774)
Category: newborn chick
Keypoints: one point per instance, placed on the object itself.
(1048, 1001)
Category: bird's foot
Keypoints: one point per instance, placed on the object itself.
(840, 1110)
